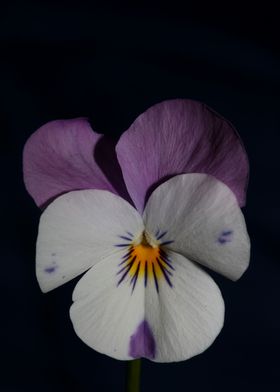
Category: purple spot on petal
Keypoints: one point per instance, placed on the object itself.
(50, 270)
(142, 342)
(225, 237)
(227, 233)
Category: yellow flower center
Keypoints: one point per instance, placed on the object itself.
(146, 259)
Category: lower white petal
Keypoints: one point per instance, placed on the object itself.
(167, 317)
(78, 230)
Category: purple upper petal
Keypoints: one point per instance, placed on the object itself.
(61, 156)
(181, 136)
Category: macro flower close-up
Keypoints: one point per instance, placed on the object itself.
(141, 221)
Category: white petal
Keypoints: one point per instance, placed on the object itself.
(78, 230)
(187, 317)
(105, 314)
(161, 322)
(202, 218)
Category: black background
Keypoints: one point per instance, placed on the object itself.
(111, 62)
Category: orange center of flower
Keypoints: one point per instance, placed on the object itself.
(147, 261)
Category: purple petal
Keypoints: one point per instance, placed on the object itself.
(142, 342)
(176, 137)
(64, 155)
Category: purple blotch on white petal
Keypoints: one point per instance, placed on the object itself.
(142, 342)
(50, 269)
(225, 237)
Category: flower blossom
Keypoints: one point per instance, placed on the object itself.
(142, 248)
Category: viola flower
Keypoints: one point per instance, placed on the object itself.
(145, 293)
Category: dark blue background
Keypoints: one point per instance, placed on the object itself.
(111, 62)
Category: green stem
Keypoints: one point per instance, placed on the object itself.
(133, 376)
